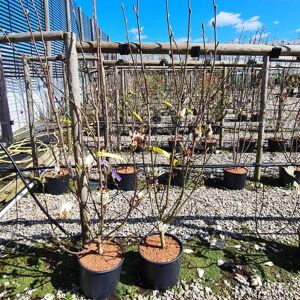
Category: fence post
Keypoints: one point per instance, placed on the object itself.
(261, 128)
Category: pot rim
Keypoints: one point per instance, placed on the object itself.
(125, 167)
(167, 262)
(228, 168)
(276, 139)
(179, 138)
(107, 271)
(65, 171)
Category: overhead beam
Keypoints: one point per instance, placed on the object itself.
(181, 48)
(28, 37)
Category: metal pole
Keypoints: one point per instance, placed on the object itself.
(81, 30)
(68, 15)
(47, 25)
(6, 130)
(261, 128)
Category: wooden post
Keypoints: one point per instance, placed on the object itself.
(222, 107)
(68, 16)
(77, 134)
(6, 130)
(30, 112)
(261, 128)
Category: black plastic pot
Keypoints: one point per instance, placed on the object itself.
(161, 276)
(297, 174)
(209, 145)
(295, 144)
(276, 144)
(284, 177)
(216, 129)
(177, 177)
(172, 141)
(247, 145)
(128, 178)
(242, 118)
(235, 181)
(57, 185)
(99, 285)
(254, 117)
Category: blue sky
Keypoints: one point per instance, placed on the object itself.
(275, 19)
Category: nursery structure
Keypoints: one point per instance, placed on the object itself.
(152, 130)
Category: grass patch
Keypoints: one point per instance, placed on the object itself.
(46, 269)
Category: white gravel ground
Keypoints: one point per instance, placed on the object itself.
(273, 212)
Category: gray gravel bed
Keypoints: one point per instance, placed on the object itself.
(272, 212)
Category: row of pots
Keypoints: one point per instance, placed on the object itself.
(234, 178)
(246, 144)
(153, 274)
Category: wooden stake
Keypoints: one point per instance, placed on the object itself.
(67, 105)
(117, 85)
(222, 107)
(261, 128)
(77, 132)
(30, 112)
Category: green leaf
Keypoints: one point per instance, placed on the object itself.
(167, 103)
(163, 152)
(137, 116)
(111, 155)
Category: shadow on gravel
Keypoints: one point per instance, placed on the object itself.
(36, 268)
(284, 257)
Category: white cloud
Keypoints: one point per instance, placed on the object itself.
(135, 33)
(297, 30)
(276, 22)
(184, 40)
(251, 24)
(227, 19)
(235, 20)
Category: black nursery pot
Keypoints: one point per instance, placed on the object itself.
(209, 145)
(128, 178)
(99, 285)
(276, 144)
(235, 178)
(247, 145)
(178, 177)
(295, 144)
(57, 185)
(297, 174)
(284, 177)
(254, 117)
(161, 275)
(177, 142)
